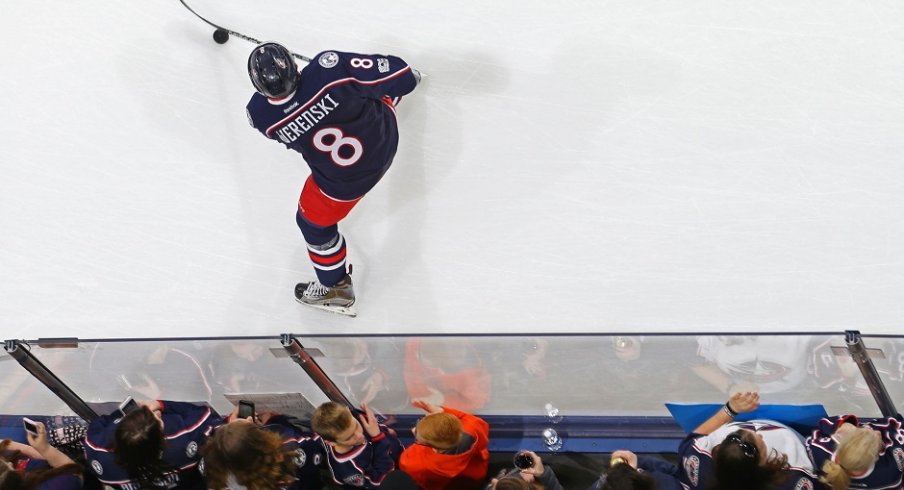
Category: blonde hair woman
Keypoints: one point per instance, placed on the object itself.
(867, 455)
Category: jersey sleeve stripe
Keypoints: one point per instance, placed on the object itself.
(193, 427)
(97, 448)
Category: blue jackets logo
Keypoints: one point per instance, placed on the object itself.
(692, 469)
(804, 484)
(328, 59)
(191, 449)
(354, 480)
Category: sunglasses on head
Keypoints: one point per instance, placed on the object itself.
(749, 449)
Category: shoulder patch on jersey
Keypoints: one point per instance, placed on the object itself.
(804, 484)
(97, 467)
(382, 65)
(354, 480)
(692, 469)
(191, 449)
(300, 457)
(898, 454)
(328, 59)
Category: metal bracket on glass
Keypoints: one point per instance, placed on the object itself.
(842, 351)
(58, 343)
(21, 352)
(860, 355)
(303, 358)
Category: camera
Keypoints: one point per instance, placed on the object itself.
(523, 460)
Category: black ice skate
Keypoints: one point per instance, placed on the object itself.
(337, 299)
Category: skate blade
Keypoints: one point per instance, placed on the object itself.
(342, 310)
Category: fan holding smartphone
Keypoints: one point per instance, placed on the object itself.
(30, 426)
(65, 475)
(269, 437)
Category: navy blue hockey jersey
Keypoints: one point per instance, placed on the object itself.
(341, 118)
(184, 426)
(309, 453)
(888, 470)
(695, 452)
(365, 466)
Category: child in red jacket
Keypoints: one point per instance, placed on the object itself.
(450, 450)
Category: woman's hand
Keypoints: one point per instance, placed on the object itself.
(39, 442)
(747, 401)
(535, 470)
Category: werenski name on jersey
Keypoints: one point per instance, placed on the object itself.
(306, 120)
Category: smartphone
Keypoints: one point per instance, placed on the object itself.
(30, 426)
(126, 407)
(246, 409)
(357, 412)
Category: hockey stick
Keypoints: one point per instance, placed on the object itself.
(234, 33)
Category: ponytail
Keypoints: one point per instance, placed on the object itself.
(835, 476)
(857, 450)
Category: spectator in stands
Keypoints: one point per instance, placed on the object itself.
(537, 477)
(722, 454)
(631, 472)
(154, 446)
(359, 452)
(43, 467)
(851, 454)
(450, 450)
(268, 454)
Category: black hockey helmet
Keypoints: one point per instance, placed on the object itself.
(272, 70)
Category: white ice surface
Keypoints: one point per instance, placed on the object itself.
(602, 166)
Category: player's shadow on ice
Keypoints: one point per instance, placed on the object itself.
(390, 225)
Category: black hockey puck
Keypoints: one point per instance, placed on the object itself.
(221, 36)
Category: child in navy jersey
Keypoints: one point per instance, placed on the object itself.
(270, 453)
(359, 452)
(339, 113)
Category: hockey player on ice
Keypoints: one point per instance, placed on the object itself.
(339, 113)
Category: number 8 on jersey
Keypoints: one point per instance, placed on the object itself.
(339, 141)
